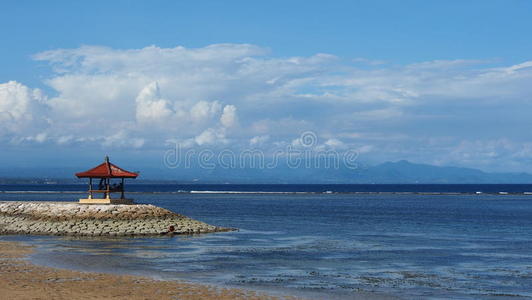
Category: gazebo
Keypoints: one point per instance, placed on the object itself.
(105, 172)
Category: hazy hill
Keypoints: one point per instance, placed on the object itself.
(388, 172)
(407, 172)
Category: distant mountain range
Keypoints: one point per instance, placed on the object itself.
(407, 172)
(385, 173)
(389, 172)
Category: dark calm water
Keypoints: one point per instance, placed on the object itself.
(334, 240)
(286, 188)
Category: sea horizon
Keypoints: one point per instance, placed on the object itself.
(175, 187)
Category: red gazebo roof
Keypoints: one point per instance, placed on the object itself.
(107, 170)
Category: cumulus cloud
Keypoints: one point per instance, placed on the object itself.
(150, 107)
(210, 137)
(258, 140)
(229, 118)
(172, 93)
(242, 94)
(334, 143)
(22, 109)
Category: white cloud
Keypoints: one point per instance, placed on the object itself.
(239, 93)
(150, 107)
(229, 117)
(161, 94)
(122, 140)
(259, 140)
(20, 106)
(211, 136)
(334, 143)
(203, 110)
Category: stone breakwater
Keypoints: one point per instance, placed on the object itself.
(56, 218)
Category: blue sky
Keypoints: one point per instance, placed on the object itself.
(394, 31)
(439, 82)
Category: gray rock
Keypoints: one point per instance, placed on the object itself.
(94, 220)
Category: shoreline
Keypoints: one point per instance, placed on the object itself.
(18, 256)
(24, 280)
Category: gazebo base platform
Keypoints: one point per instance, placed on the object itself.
(106, 201)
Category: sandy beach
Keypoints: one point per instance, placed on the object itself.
(22, 280)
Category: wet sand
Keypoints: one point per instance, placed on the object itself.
(22, 280)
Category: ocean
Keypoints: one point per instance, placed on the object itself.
(320, 241)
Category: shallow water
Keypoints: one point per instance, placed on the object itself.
(411, 246)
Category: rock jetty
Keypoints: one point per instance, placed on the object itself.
(60, 218)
